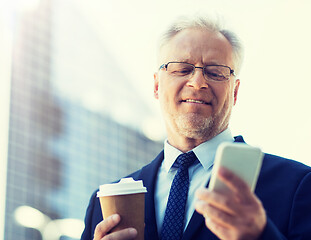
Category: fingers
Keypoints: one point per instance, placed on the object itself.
(234, 182)
(236, 185)
(211, 213)
(125, 234)
(218, 200)
(217, 221)
(222, 231)
(104, 227)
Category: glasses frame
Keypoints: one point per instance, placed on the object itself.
(165, 65)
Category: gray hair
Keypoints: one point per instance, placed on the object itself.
(215, 25)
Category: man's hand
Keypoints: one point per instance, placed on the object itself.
(236, 214)
(103, 228)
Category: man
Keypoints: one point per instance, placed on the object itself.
(197, 86)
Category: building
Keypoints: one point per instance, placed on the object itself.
(60, 150)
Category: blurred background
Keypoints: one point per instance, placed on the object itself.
(76, 97)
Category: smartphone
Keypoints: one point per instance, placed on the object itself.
(242, 159)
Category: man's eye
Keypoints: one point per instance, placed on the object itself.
(215, 75)
(182, 72)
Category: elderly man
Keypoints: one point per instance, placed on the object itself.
(197, 87)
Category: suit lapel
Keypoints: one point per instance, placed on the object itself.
(196, 222)
(149, 174)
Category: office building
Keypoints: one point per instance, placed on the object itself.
(59, 149)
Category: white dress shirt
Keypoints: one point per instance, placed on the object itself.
(199, 174)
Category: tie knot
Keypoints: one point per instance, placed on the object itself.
(185, 160)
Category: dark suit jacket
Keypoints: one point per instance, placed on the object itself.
(284, 187)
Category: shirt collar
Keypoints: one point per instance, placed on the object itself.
(205, 152)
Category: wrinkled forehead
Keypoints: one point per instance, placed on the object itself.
(196, 45)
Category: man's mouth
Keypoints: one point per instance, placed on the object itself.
(196, 101)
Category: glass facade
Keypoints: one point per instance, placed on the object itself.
(59, 150)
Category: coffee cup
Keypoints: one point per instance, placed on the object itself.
(126, 198)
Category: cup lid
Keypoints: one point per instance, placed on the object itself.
(123, 187)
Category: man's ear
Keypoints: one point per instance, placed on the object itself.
(236, 90)
(156, 86)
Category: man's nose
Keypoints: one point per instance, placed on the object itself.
(197, 79)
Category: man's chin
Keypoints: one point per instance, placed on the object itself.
(195, 126)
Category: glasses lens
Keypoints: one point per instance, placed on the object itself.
(180, 69)
(218, 73)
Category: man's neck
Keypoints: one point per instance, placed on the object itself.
(185, 144)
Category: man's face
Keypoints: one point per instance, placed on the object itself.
(209, 115)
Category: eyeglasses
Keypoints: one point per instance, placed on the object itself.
(182, 69)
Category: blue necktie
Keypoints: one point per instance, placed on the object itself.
(174, 218)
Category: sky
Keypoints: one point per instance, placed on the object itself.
(273, 109)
